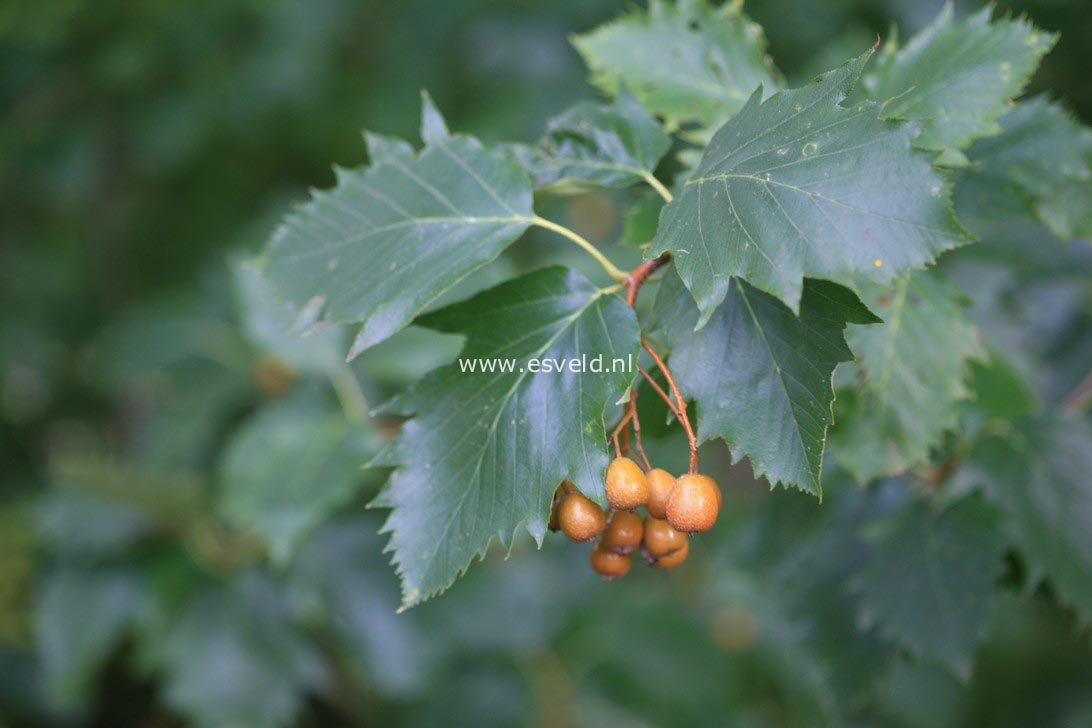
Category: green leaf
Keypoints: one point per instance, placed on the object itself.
(641, 220)
(913, 374)
(928, 582)
(391, 238)
(797, 186)
(761, 376)
(340, 582)
(266, 322)
(1039, 476)
(232, 658)
(1044, 156)
(82, 616)
(288, 467)
(957, 77)
(593, 145)
(486, 450)
(689, 61)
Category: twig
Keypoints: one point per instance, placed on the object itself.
(1080, 398)
(680, 402)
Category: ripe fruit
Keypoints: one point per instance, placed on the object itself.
(694, 503)
(608, 564)
(581, 519)
(627, 487)
(563, 490)
(660, 485)
(672, 558)
(624, 532)
(661, 538)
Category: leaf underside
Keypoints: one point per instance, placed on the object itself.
(913, 375)
(594, 145)
(957, 77)
(686, 61)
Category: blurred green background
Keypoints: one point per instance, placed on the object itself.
(146, 146)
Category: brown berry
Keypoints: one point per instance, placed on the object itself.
(660, 485)
(661, 538)
(627, 487)
(672, 558)
(608, 564)
(694, 503)
(559, 495)
(581, 519)
(624, 532)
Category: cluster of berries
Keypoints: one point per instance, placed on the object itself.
(676, 508)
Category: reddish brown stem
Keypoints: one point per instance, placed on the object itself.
(680, 403)
(626, 417)
(640, 274)
(660, 391)
(637, 430)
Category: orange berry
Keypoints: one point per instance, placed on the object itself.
(672, 558)
(660, 485)
(581, 519)
(608, 564)
(661, 538)
(694, 503)
(624, 532)
(627, 487)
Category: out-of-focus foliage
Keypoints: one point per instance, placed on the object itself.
(147, 389)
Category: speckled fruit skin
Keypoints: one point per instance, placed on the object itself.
(661, 537)
(581, 519)
(610, 565)
(660, 485)
(672, 558)
(694, 503)
(624, 532)
(627, 487)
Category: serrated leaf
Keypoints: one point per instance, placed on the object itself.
(230, 657)
(266, 321)
(290, 466)
(689, 61)
(929, 579)
(799, 185)
(391, 238)
(913, 371)
(1044, 156)
(485, 451)
(957, 77)
(760, 375)
(1039, 476)
(594, 145)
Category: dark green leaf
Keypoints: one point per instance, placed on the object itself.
(267, 320)
(929, 579)
(232, 658)
(1044, 156)
(913, 370)
(593, 145)
(82, 617)
(288, 467)
(799, 185)
(761, 376)
(486, 450)
(957, 77)
(688, 61)
(1039, 476)
(391, 238)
